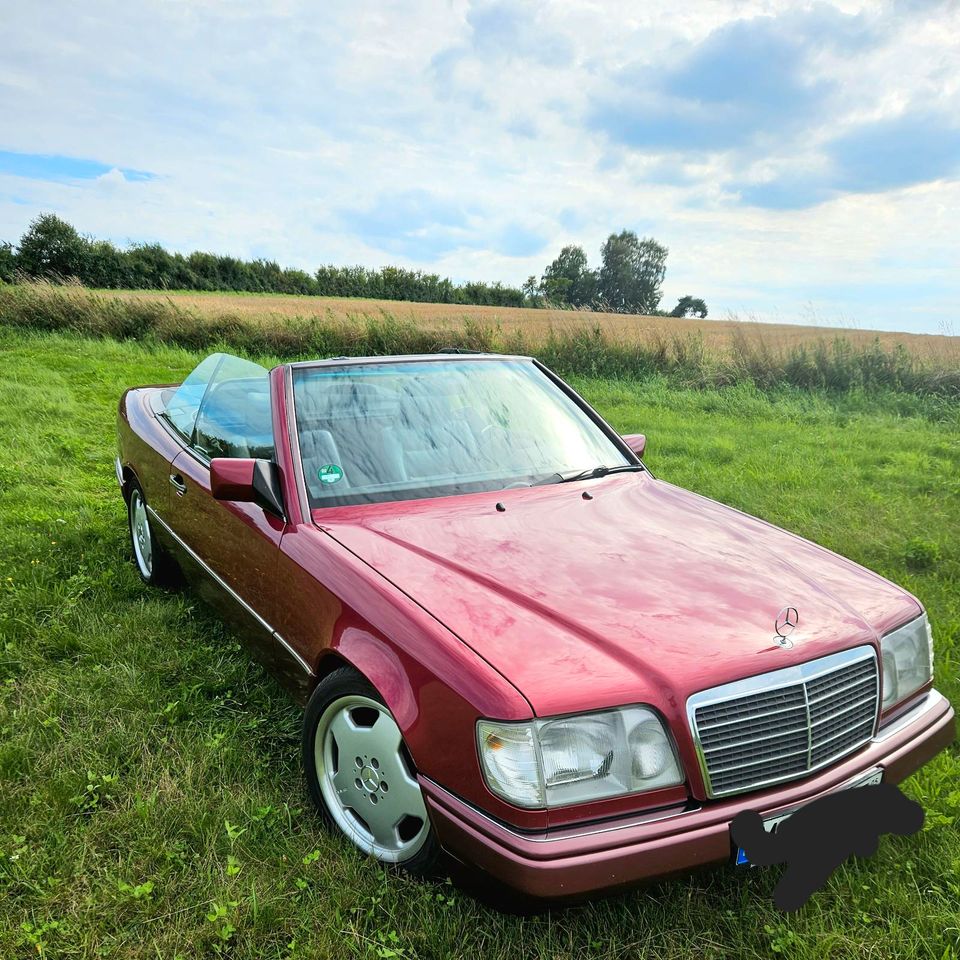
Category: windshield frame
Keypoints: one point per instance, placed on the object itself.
(444, 357)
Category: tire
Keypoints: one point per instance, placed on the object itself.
(361, 777)
(155, 566)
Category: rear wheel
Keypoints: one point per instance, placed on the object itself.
(360, 774)
(154, 565)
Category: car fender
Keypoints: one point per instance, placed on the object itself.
(369, 655)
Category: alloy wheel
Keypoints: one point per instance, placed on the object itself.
(140, 530)
(366, 780)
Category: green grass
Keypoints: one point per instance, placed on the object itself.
(150, 795)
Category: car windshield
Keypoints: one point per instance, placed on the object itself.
(398, 430)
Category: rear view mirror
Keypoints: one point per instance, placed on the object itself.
(637, 442)
(242, 480)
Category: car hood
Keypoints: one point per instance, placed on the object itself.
(643, 592)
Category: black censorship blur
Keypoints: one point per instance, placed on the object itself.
(820, 836)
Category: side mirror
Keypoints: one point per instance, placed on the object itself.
(637, 442)
(242, 480)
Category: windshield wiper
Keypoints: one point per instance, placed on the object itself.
(591, 473)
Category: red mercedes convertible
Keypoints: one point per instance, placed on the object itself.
(513, 642)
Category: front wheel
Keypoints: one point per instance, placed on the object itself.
(360, 774)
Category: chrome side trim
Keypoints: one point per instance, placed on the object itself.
(118, 468)
(924, 705)
(797, 675)
(293, 653)
(567, 832)
(233, 593)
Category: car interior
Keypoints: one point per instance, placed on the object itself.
(381, 436)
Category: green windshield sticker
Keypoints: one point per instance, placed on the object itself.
(330, 473)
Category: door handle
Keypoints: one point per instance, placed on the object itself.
(176, 481)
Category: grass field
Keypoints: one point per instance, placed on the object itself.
(537, 324)
(150, 795)
(691, 353)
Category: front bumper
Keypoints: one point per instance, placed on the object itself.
(576, 860)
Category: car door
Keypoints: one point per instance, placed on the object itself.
(233, 546)
(176, 411)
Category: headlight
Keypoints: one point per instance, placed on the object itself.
(907, 655)
(564, 760)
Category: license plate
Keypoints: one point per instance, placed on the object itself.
(770, 824)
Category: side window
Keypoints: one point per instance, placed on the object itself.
(184, 405)
(234, 418)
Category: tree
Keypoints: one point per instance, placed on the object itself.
(532, 292)
(51, 248)
(8, 262)
(151, 266)
(556, 290)
(689, 307)
(569, 278)
(103, 265)
(632, 272)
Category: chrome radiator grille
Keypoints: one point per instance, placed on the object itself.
(785, 724)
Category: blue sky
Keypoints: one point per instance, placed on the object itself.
(801, 161)
(37, 166)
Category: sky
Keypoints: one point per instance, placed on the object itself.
(800, 161)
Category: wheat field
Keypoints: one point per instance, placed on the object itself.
(537, 324)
